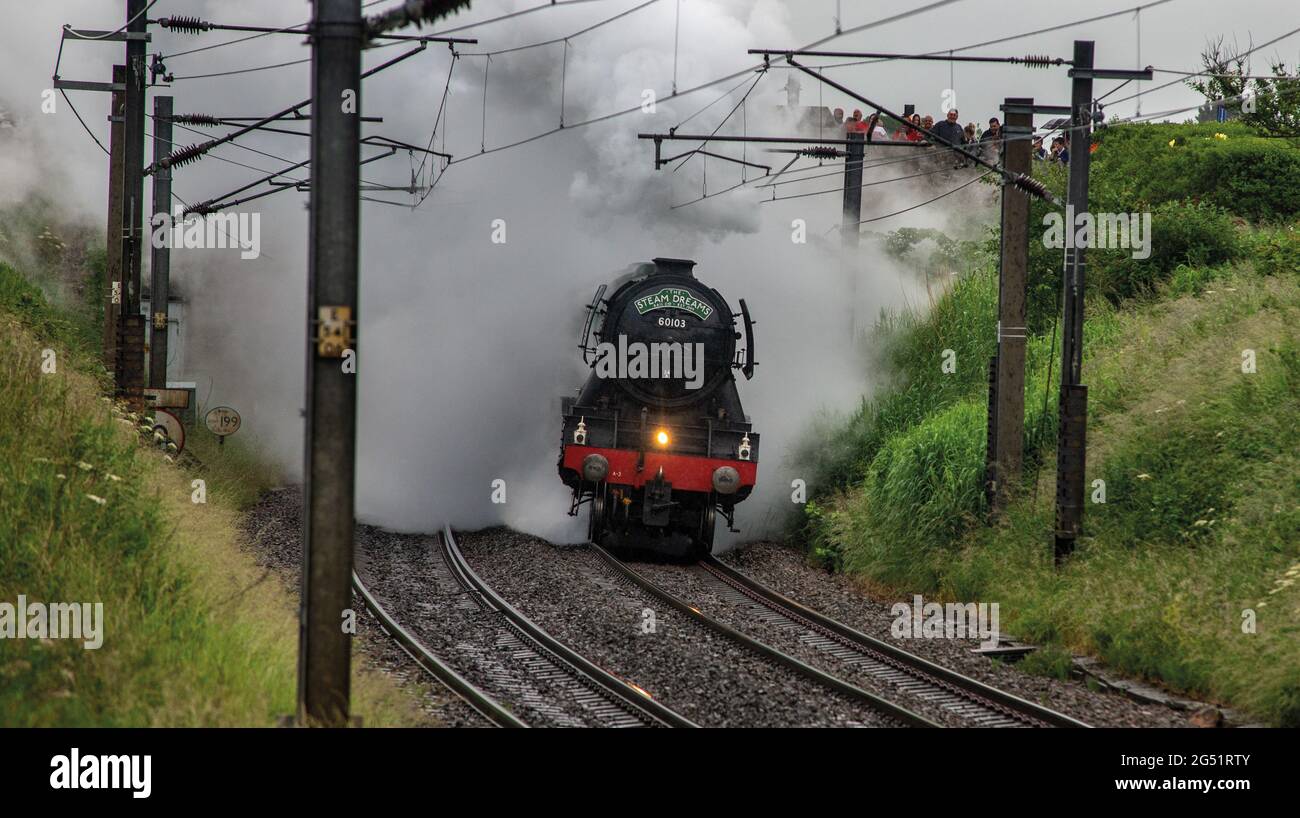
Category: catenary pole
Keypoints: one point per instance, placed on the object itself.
(116, 225)
(1073, 402)
(160, 258)
(1010, 374)
(324, 668)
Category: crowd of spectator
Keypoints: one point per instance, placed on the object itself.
(968, 140)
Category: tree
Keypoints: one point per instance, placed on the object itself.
(1275, 103)
(1225, 70)
(1269, 104)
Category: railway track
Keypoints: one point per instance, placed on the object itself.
(891, 710)
(968, 698)
(482, 703)
(606, 699)
(543, 681)
(537, 677)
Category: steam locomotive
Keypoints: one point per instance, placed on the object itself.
(656, 443)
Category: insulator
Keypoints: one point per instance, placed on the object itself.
(185, 25)
(196, 119)
(1029, 184)
(201, 209)
(157, 67)
(1038, 61)
(821, 152)
(184, 156)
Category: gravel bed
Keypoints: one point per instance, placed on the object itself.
(691, 669)
(570, 593)
(411, 580)
(691, 584)
(274, 532)
(784, 569)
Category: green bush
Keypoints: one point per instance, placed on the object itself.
(29, 304)
(1043, 274)
(1190, 280)
(1277, 252)
(1181, 233)
(909, 346)
(1252, 176)
(923, 487)
(1188, 225)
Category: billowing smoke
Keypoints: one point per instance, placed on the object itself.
(467, 344)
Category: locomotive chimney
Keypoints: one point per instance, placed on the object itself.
(674, 266)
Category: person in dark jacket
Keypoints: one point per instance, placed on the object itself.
(1060, 151)
(951, 133)
(991, 140)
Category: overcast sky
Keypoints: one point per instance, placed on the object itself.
(713, 36)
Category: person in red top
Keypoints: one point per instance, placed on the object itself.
(855, 125)
(913, 135)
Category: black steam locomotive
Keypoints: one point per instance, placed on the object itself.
(656, 443)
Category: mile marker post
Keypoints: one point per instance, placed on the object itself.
(222, 421)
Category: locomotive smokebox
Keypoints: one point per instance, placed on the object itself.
(674, 266)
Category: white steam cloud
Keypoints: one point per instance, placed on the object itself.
(465, 346)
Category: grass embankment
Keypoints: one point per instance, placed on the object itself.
(194, 633)
(1199, 531)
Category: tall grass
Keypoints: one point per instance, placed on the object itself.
(1201, 519)
(1193, 529)
(194, 633)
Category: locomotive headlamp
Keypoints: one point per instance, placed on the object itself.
(661, 437)
(743, 450)
(594, 468)
(580, 434)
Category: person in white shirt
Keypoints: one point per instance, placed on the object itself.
(877, 131)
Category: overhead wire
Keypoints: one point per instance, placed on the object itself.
(927, 201)
(1184, 78)
(840, 189)
(734, 75)
(1011, 37)
(729, 115)
(114, 32)
(555, 40)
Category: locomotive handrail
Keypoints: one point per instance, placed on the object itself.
(750, 363)
(592, 309)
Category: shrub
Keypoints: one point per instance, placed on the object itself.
(1277, 252)
(1246, 174)
(1181, 233)
(909, 345)
(924, 486)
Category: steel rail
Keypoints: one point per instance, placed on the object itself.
(481, 702)
(852, 692)
(586, 672)
(971, 690)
